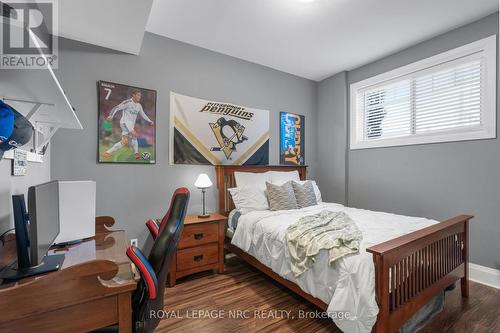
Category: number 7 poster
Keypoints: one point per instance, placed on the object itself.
(126, 117)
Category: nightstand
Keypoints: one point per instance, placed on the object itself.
(200, 248)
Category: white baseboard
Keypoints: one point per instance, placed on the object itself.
(484, 275)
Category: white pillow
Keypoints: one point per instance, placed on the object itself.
(247, 198)
(317, 192)
(281, 177)
(258, 179)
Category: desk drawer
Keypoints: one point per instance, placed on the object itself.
(194, 235)
(197, 256)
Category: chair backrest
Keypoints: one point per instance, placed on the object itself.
(160, 258)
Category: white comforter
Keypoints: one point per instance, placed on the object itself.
(349, 284)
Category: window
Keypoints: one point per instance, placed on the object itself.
(448, 97)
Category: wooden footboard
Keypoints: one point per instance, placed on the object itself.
(411, 269)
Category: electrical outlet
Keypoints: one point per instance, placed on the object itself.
(134, 242)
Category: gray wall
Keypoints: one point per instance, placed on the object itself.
(133, 193)
(332, 138)
(37, 173)
(435, 180)
(33, 85)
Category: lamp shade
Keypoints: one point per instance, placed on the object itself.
(203, 181)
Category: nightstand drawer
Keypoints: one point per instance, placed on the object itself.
(194, 235)
(197, 256)
(200, 248)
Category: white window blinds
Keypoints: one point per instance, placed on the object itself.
(449, 97)
(388, 111)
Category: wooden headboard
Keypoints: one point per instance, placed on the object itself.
(225, 179)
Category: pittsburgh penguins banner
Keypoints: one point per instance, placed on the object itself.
(208, 132)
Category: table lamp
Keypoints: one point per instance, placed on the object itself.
(203, 182)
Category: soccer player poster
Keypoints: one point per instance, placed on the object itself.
(127, 132)
(292, 139)
(210, 132)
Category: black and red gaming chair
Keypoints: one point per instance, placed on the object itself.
(149, 293)
(155, 224)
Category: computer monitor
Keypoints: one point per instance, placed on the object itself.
(43, 206)
(21, 226)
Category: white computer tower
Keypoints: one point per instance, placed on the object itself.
(76, 210)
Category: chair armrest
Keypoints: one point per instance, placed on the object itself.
(153, 227)
(145, 269)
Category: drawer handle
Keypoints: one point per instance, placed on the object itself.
(198, 257)
(198, 236)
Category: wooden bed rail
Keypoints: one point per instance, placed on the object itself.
(412, 269)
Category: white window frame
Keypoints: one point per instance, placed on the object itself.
(484, 48)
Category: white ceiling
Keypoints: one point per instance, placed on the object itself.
(115, 24)
(309, 39)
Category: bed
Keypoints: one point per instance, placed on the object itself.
(403, 272)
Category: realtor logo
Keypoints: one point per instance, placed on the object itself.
(28, 34)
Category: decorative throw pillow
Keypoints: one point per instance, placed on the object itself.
(304, 194)
(281, 197)
(316, 189)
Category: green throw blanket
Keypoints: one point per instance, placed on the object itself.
(333, 231)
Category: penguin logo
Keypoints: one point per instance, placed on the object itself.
(228, 133)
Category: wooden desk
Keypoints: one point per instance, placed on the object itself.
(92, 289)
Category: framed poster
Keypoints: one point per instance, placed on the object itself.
(126, 117)
(292, 139)
(217, 133)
